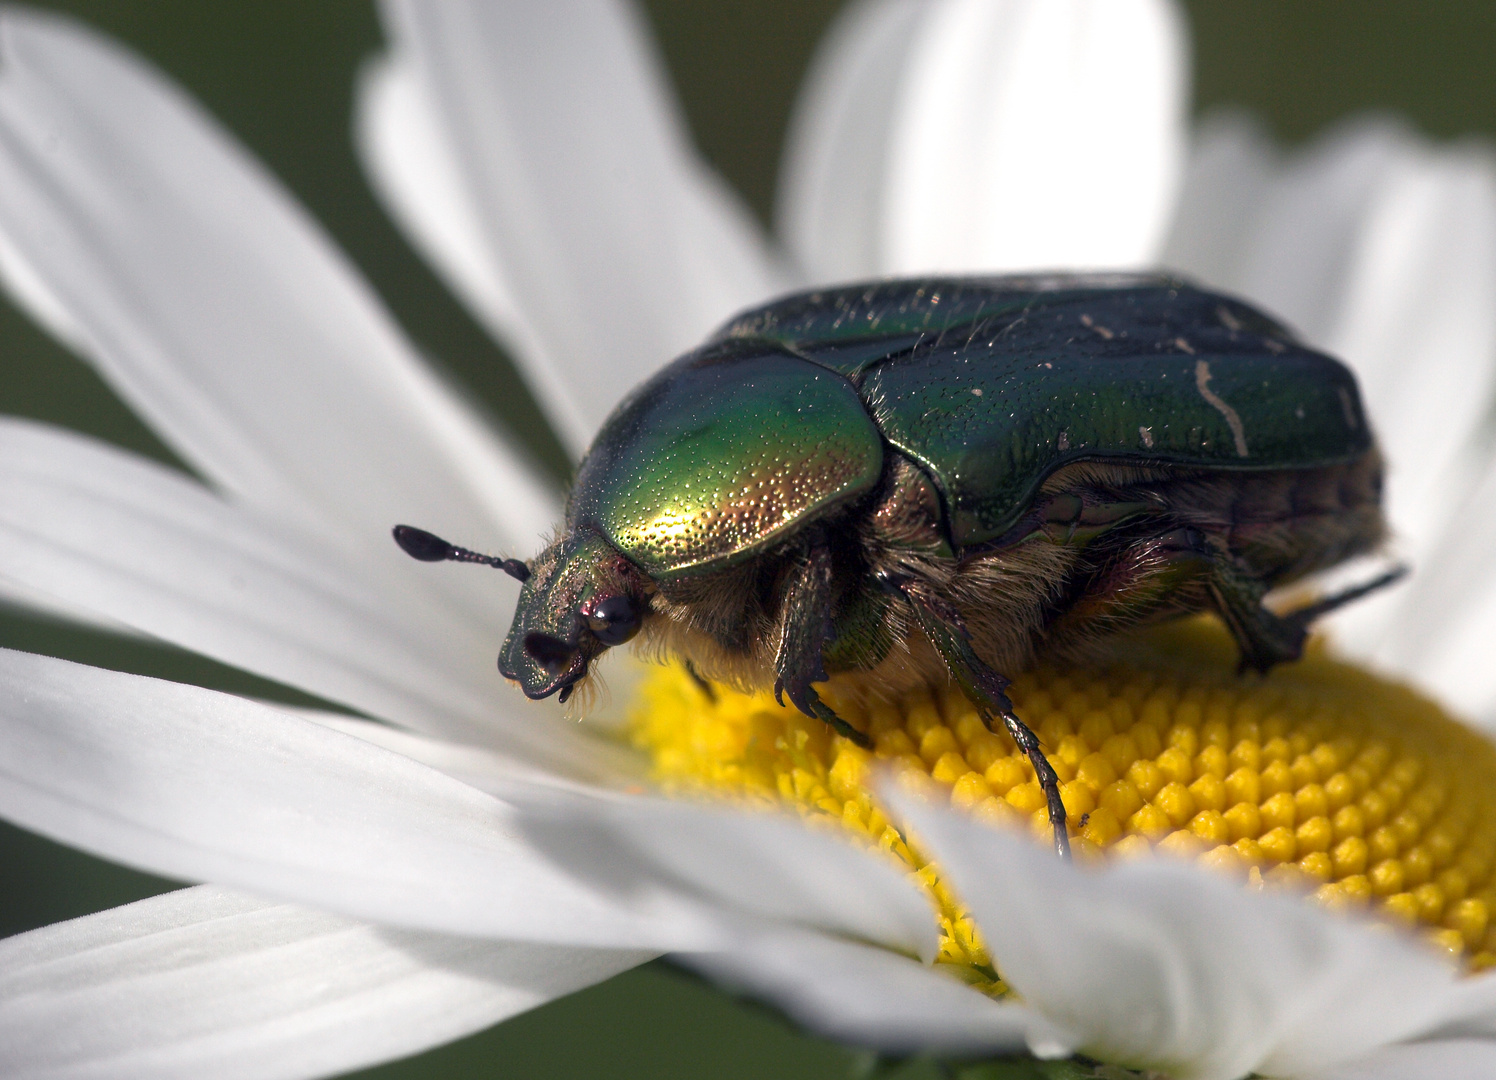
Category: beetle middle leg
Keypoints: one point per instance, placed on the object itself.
(985, 688)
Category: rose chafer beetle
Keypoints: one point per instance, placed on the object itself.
(939, 479)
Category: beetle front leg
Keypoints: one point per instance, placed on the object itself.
(805, 626)
(986, 689)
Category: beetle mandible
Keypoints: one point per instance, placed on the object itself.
(941, 478)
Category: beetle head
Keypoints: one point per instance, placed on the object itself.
(582, 597)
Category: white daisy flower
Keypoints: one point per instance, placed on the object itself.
(379, 886)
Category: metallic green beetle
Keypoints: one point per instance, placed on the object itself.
(941, 478)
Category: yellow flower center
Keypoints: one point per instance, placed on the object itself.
(1318, 775)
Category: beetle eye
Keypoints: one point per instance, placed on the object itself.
(614, 620)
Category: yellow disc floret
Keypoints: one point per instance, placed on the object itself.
(1318, 775)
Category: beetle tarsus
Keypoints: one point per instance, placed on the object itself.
(1306, 615)
(986, 689)
(822, 711)
(1049, 781)
(804, 698)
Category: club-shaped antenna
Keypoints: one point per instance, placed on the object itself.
(428, 547)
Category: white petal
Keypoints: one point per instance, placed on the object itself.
(1453, 1059)
(35, 602)
(1158, 964)
(220, 311)
(198, 785)
(599, 225)
(1420, 319)
(765, 865)
(875, 998)
(204, 982)
(1036, 133)
(1231, 166)
(399, 136)
(1282, 233)
(136, 542)
(476, 766)
(1418, 322)
(1445, 627)
(832, 178)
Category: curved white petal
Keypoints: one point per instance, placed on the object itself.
(832, 176)
(148, 239)
(398, 134)
(765, 865)
(967, 135)
(1158, 964)
(1034, 133)
(139, 543)
(199, 785)
(204, 982)
(478, 767)
(35, 602)
(1448, 1059)
(603, 246)
(1231, 166)
(875, 998)
(1420, 320)
(1281, 230)
(1444, 629)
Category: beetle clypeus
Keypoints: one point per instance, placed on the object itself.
(941, 478)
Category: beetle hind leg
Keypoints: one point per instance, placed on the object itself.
(985, 688)
(1264, 637)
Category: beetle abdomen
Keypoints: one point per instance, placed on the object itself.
(1284, 525)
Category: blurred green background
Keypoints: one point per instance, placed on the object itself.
(280, 75)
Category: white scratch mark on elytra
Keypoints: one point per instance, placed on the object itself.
(1147, 434)
(1349, 409)
(1090, 324)
(1233, 421)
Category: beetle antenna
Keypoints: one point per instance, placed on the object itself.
(428, 547)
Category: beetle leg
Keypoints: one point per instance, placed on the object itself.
(1307, 615)
(803, 633)
(701, 683)
(986, 689)
(1135, 580)
(1266, 638)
